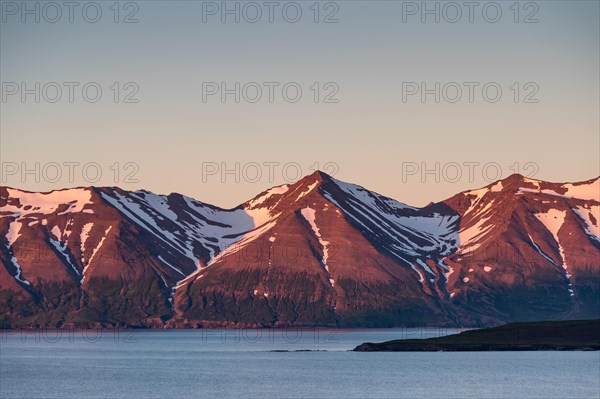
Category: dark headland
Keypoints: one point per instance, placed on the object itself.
(529, 336)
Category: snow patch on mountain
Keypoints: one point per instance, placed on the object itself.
(170, 265)
(553, 221)
(309, 215)
(139, 210)
(258, 201)
(497, 187)
(85, 234)
(94, 253)
(590, 216)
(226, 232)
(252, 221)
(12, 236)
(407, 231)
(19, 273)
(478, 195)
(56, 232)
(475, 224)
(421, 278)
(157, 204)
(370, 198)
(61, 248)
(535, 183)
(588, 191)
(235, 246)
(585, 191)
(47, 203)
(13, 232)
(307, 191)
(217, 229)
(425, 267)
(537, 248)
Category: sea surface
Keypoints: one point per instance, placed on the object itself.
(293, 363)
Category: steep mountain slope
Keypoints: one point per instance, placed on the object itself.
(528, 249)
(76, 257)
(308, 263)
(317, 252)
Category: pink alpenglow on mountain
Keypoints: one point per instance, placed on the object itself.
(319, 252)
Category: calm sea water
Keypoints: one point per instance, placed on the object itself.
(275, 364)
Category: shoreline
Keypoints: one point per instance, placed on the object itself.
(581, 335)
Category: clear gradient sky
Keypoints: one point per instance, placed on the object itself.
(368, 134)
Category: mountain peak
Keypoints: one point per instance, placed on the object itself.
(309, 182)
(517, 178)
(316, 176)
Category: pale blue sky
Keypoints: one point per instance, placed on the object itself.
(369, 53)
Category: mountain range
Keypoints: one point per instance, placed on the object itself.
(319, 252)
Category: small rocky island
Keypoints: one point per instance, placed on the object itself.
(528, 336)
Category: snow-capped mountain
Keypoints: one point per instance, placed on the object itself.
(317, 252)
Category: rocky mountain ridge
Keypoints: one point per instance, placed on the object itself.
(319, 252)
